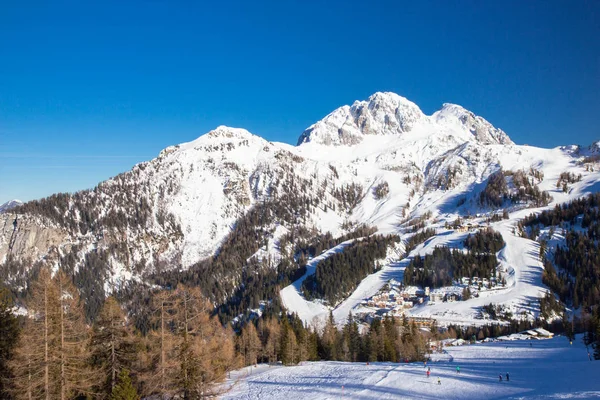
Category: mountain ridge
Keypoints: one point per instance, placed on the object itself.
(391, 164)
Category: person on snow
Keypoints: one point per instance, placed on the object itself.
(458, 370)
(428, 372)
(439, 382)
(500, 378)
(507, 377)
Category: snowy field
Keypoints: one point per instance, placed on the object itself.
(548, 369)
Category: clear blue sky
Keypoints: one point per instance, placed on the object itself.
(88, 89)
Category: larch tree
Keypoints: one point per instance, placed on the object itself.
(160, 364)
(249, 344)
(73, 347)
(193, 351)
(113, 346)
(52, 356)
(205, 350)
(34, 356)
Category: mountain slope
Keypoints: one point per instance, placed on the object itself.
(380, 162)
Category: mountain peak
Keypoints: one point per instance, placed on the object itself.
(383, 113)
(387, 113)
(458, 116)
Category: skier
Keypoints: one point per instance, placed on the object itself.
(428, 372)
(530, 345)
(507, 377)
(439, 382)
(458, 370)
(500, 377)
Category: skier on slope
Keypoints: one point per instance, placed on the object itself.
(428, 372)
(439, 382)
(500, 378)
(458, 370)
(507, 377)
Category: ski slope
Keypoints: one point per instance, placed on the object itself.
(549, 369)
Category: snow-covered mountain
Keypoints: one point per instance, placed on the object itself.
(10, 204)
(177, 209)
(391, 114)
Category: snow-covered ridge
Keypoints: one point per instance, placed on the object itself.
(9, 205)
(390, 114)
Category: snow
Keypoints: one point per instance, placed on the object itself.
(548, 369)
(9, 205)
(207, 184)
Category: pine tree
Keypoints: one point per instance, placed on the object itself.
(330, 340)
(124, 389)
(351, 338)
(288, 343)
(9, 334)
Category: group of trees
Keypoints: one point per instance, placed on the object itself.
(59, 356)
(444, 266)
(418, 238)
(287, 340)
(497, 192)
(485, 241)
(340, 274)
(565, 178)
(381, 190)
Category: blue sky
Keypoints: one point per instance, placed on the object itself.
(88, 89)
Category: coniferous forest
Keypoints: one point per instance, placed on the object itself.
(340, 274)
(444, 266)
(572, 269)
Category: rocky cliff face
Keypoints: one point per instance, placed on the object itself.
(28, 237)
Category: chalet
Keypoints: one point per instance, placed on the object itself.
(436, 296)
(451, 297)
(544, 333)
